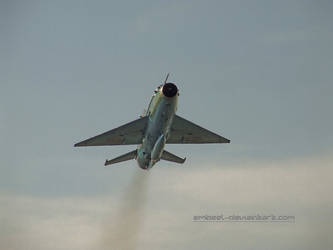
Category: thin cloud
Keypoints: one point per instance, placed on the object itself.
(160, 215)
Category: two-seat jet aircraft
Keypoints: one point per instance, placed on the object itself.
(158, 126)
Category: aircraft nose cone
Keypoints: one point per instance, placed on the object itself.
(169, 89)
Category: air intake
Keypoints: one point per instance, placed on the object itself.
(169, 89)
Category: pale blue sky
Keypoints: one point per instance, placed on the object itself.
(257, 72)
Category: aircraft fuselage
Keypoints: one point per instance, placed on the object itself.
(161, 111)
(159, 125)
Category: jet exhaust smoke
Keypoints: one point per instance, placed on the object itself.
(123, 228)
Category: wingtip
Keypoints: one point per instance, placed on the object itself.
(80, 144)
(224, 140)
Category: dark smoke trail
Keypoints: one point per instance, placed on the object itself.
(123, 229)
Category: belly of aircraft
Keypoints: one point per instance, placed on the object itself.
(157, 132)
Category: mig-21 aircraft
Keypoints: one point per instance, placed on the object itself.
(159, 125)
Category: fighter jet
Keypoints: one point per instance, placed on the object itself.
(157, 126)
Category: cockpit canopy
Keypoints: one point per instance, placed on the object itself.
(158, 88)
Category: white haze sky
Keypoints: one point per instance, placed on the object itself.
(256, 72)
